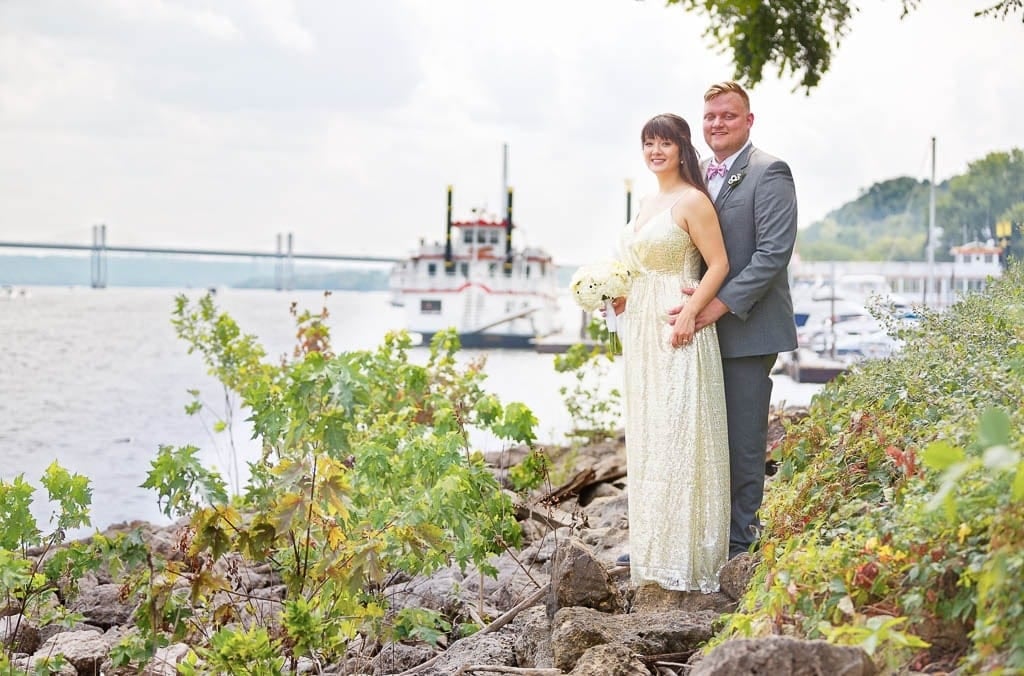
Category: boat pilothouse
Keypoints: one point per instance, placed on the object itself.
(492, 293)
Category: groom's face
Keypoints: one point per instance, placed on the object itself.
(727, 122)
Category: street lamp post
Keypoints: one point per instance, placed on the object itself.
(1004, 229)
(629, 200)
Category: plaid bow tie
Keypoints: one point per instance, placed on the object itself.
(715, 169)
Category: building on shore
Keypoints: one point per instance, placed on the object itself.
(973, 264)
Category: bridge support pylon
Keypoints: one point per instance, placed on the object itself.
(284, 265)
(98, 257)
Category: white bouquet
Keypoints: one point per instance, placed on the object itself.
(595, 285)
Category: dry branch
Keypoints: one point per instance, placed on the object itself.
(494, 668)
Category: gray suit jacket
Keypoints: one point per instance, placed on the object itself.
(758, 216)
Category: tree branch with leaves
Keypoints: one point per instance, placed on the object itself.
(796, 37)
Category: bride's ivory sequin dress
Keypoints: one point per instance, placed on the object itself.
(676, 440)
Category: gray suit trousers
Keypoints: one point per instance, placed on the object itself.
(748, 395)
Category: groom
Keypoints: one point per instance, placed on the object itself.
(756, 203)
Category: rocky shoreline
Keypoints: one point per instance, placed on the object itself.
(559, 605)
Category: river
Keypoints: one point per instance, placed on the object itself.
(97, 380)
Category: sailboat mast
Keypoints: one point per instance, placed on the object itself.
(506, 193)
(931, 234)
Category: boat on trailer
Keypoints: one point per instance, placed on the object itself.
(493, 293)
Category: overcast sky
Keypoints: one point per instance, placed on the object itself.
(220, 124)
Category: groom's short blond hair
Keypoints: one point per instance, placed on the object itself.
(727, 87)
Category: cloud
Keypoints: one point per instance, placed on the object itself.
(281, 20)
(262, 56)
(178, 124)
(162, 13)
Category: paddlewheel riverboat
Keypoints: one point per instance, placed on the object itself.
(493, 293)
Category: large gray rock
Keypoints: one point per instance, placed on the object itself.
(578, 579)
(538, 554)
(734, 578)
(610, 660)
(113, 637)
(449, 590)
(574, 630)
(650, 598)
(102, 606)
(165, 661)
(394, 658)
(86, 650)
(493, 649)
(48, 631)
(164, 541)
(506, 457)
(18, 635)
(353, 666)
(532, 631)
(601, 490)
(784, 655)
(70, 587)
(608, 531)
(31, 663)
(514, 582)
(438, 592)
(948, 636)
(609, 511)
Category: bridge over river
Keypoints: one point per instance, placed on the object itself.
(284, 255)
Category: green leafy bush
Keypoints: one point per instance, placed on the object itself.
(595, 417)
(366, 473)
(235, 651)
(35, 569)
(897, 516)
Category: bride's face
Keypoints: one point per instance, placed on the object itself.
(661, 155)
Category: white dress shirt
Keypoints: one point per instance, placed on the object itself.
(716, 183)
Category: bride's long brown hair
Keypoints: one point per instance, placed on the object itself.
(674, 128)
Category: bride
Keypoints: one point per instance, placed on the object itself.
(676, 440)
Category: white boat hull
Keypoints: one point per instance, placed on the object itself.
(482, 314)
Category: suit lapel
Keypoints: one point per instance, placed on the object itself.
(737, 168)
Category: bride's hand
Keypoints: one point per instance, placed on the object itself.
(618, 304)
(683, 329)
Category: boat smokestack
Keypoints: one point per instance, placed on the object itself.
(508, 233)
(448, 264)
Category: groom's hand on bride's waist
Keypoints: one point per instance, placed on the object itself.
(711, 313)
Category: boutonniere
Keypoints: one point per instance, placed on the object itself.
(736, 178)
